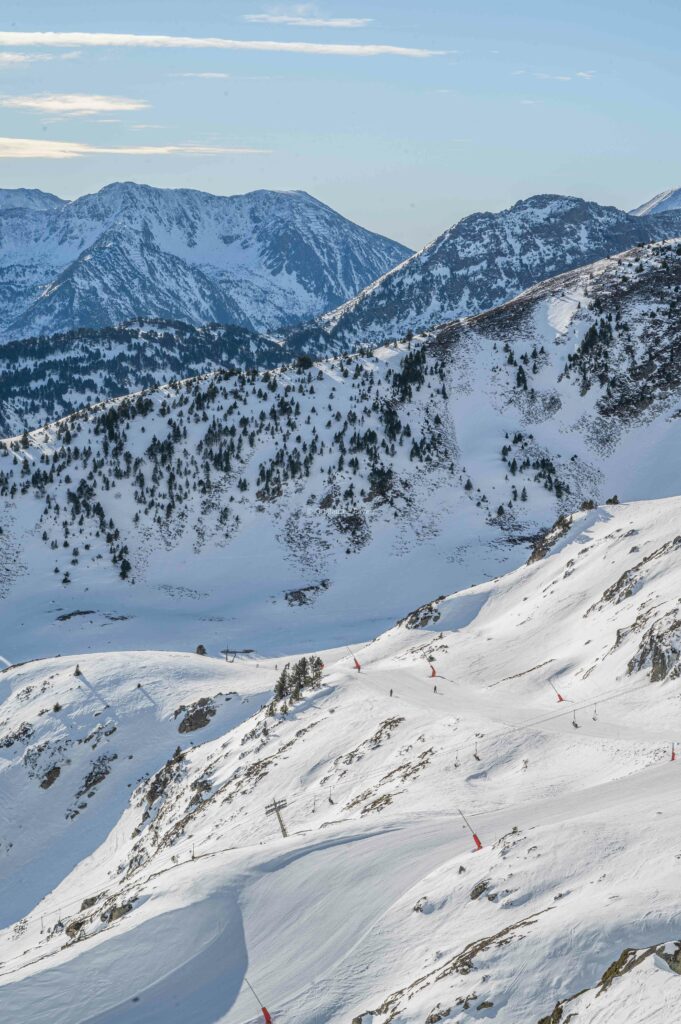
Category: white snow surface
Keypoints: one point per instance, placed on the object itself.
(376, 908)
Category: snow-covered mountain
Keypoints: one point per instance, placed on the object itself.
(260, 260)
(662, 203)
(485, 260)
(29, 199)
(143, 881)
(276, 508)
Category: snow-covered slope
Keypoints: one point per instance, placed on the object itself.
(259, 260)
(143, 881)
(484, 260)
(661, 203)
(310, 504)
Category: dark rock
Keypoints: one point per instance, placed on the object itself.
(50, 776)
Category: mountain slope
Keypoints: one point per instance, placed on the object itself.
(43, 379)
(661, 203)
(315, 501)
(485, 260)
(145, 881)
(259, 261)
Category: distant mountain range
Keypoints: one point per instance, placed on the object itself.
(259, 261)
(141, 301)
(484, 260)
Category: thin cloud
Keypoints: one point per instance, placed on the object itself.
(48, 149)
(72, 104)
(11, 60)
(299, 21)
(202, 74)
(546, 77)
(59, 39)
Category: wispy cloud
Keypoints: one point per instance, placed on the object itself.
(547, 77)
(202, 74)
(14, 59)
(72, 104)
(82, 39)
(304, 21)
(11, 60)
(49, 149)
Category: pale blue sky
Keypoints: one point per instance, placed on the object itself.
(560, 96)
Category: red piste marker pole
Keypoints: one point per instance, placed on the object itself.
(264, 1010)
(673, 752)
(357, 664)
(478, 844)
(558, 695)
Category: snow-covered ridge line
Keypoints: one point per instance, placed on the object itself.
(487, 259)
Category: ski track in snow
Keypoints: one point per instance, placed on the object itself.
(579, 825)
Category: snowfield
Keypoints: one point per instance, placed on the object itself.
(143, 880)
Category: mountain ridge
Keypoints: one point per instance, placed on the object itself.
(484, 260)
(259, 260)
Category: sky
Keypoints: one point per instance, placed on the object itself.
(403, 116)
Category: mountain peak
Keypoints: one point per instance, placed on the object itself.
(661, 203)
(28, 199)
(263, 260)
(487, 259)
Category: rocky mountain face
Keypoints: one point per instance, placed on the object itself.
(323, 491)
(259, 261)
(483, 261)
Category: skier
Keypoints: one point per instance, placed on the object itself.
(391, 693)
(435, 688)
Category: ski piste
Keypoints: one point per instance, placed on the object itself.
(144, 881)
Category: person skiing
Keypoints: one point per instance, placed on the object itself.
(435, 688)
(391, 693)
